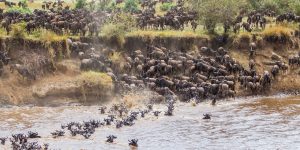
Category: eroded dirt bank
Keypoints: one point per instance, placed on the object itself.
(64, 85)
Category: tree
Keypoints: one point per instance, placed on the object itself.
(295, 6)
(80, 4)
(131, 6)
(212, 12)
(270, 5)
(255, 4)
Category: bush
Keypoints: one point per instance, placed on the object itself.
(80, 4)
(113, 31)
(117, 26)
(270, 5)
(295, 6)
(106, 5)
(18, 30)
(166, 6)
(131, 6)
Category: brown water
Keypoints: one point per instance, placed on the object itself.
(249, 123)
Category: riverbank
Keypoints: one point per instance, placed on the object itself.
(61, 85)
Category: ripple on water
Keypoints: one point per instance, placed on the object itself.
(257, 123)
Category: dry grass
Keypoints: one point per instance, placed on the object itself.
(279, 31)
(94, 83)
(3, 32)
(46, 36)
(116, 57)
(164, 33)
(241, 40)
(118, 60)
(240, 56)
(287, 82)
(242, 37)
(96, 79)
(18, 30)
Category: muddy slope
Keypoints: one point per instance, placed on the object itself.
(61, 86)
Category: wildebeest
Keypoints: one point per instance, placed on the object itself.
(24, 71)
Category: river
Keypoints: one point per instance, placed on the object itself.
(248, 123)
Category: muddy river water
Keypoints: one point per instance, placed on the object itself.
(248, 123)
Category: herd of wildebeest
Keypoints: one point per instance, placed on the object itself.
(117, 115)
(178, 17)
(207, 74)
(55, 18)
(63, 20)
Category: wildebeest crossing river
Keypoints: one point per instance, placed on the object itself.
(246, 123)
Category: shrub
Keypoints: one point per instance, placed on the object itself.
(166, 6)
(106, 5)
(80, 4)
(114, 32)
(117, 26)
(270, 5)
(295, 5)
(18, 30)
(131, 6)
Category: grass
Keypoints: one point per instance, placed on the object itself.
(277, 31)
(37, 35)
(240, 56)
(3, 32)
(163, 33)
(117, 60)
(18, 30)
(96, 79)
(241, 37)
(115, 57)
(46, 36)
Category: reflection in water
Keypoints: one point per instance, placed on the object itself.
(268, 123)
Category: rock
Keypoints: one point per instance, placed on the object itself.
(276, 57)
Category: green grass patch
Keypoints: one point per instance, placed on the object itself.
(19, 9)
(166, 6)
